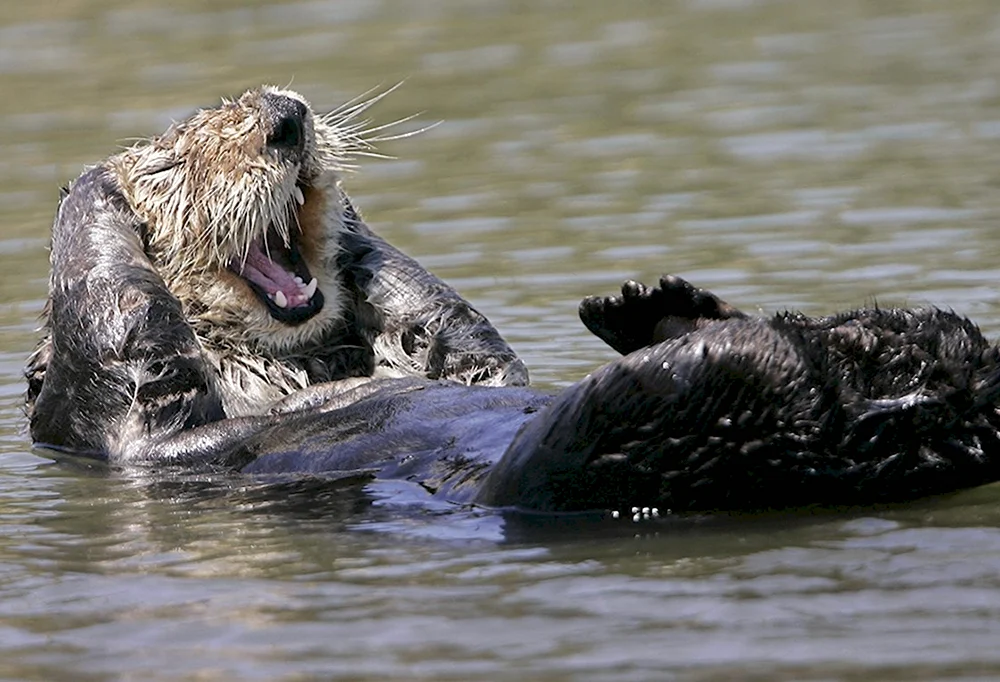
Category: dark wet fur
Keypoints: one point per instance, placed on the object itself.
(710, 409)
(418, 315)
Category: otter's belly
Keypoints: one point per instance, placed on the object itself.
(441, 435)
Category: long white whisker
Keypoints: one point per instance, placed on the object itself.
(397, 122)
(344, 114)
(404, 135)
(372, 155)
(351, 102)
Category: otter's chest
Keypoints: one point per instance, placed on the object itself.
(251, 383)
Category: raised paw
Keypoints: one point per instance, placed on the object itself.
(679, 298)
(642, 316)
(624, 322)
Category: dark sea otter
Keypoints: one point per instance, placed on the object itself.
(216, 302)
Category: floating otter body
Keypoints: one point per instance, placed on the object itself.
(215, 301)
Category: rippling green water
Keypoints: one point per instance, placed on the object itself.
(800, 153)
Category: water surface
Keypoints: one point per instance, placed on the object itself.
(785, 153)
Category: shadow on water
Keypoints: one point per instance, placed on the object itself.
(350, 568)
(356, 504)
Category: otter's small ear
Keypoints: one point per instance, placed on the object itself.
(63, 193)
(156, 160)
(167, 164)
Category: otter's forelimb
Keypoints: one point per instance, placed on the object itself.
(422, 326)
(123, 371)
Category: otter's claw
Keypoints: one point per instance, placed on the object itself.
(633, 290)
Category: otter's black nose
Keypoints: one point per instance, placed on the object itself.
(285, 119)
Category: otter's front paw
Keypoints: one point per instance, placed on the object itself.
(679, 298)
(625, 322)
(642, 316)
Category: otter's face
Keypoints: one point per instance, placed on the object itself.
(243, 208)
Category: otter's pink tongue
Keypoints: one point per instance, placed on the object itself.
(283, 287)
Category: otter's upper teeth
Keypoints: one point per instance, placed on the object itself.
(310, 289)
(280, 300)
(299, 197)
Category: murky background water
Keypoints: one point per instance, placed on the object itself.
(799, 153)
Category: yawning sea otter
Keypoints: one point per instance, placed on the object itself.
(239, 213)
(215, 301)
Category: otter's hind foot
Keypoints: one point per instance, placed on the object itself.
(643, 316)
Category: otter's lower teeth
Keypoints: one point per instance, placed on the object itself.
(310, 289)
(299, 197)
(280, 300)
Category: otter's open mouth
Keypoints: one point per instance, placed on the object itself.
(279, 276)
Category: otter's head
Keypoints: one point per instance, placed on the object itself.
(243, 206)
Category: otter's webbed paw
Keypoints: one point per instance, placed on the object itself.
(642, 316)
